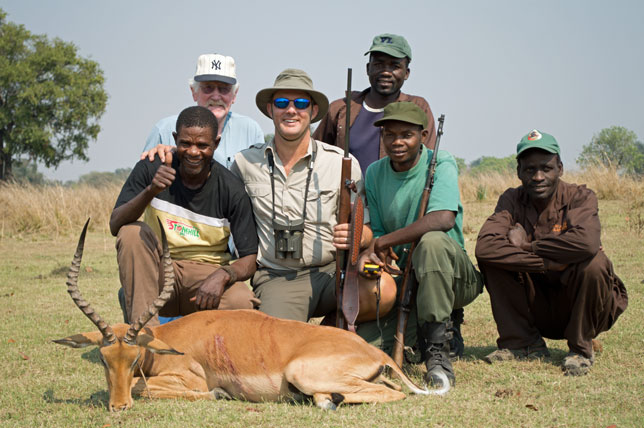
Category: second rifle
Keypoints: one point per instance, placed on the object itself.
(408, 286)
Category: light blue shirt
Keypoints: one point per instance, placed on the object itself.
(240, 132)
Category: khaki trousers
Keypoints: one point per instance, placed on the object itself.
(296, 295)
(139, 255)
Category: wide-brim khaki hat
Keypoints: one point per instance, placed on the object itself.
(294, 80)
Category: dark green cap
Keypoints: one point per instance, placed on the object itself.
(538, 140)
(391, 44)
(403, 111)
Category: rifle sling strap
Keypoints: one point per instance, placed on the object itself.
(350, 291)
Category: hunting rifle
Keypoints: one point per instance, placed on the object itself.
(346, 286)
(408, 287)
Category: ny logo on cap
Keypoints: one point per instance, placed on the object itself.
(385, 39)
(216, 64)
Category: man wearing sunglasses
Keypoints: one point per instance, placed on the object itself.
(387, 69)
(214, 87)
(294, 182)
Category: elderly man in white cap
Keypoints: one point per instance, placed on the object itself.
(214, 86)
(294, 185)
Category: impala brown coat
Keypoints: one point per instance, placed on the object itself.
(241, 354)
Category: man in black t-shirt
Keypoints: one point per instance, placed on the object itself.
(200, 204)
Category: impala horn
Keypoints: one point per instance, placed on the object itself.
(166, 293)
(72, 289)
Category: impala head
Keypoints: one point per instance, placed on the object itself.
(122, 347)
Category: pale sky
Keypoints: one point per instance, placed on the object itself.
(496, 69)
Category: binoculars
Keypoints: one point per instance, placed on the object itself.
(288, 239)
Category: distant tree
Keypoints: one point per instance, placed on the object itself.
(488, 164)
(27, 172)
(462, 166)
(614, 147)
(99, 179)
(268, 137)
(50, 98)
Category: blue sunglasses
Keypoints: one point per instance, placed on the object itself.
(299, 103)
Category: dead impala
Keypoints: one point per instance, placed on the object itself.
(241, 354)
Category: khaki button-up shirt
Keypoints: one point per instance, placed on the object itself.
(323, 199)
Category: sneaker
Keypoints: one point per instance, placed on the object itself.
(527, 353)
(576, 364)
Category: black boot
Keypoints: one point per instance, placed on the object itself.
(436, 354)
(122, 303)
(456, 344)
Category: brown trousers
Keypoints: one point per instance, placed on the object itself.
(139, 255)
(576, 304)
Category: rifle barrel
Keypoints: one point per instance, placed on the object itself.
(348, 118)
(407, 290)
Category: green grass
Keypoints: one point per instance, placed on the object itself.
(50, 385)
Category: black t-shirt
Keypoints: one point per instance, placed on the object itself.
(197, 222)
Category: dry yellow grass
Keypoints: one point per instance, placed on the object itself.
(53, 210)
(57, 210)
(606, 182)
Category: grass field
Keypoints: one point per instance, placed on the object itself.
(50, 385)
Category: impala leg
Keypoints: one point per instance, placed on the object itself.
(330, 387)
(383, 380)
(171, 387)
(367, 392)
(327, 401)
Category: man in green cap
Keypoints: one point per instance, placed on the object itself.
(446, 278)
(294, 184)
(387, 69)
(543, 262)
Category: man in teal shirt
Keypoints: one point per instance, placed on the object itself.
(446, 278)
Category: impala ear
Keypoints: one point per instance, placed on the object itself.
(155, 345)
(82, 340)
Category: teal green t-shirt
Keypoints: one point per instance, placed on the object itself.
(394, 197)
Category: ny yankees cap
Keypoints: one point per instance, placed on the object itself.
(538, 140)
(215, 67)
(391, 44)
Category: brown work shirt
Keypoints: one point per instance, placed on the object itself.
(332, 127)
(566, 232)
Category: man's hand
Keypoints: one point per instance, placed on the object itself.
(341, 236)
(555, 266)
(380, 256)
(210, 292)
(519, 238)
(164, 152)
(163, 178)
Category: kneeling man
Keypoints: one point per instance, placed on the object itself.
(294, 184)
(200, 204)
(446, 278)
(543, 263)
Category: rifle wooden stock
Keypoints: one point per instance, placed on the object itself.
(344, 212)
(409, 285)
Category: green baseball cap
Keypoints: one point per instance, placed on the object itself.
(403, 111)
(538, 140)
(391, 44)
